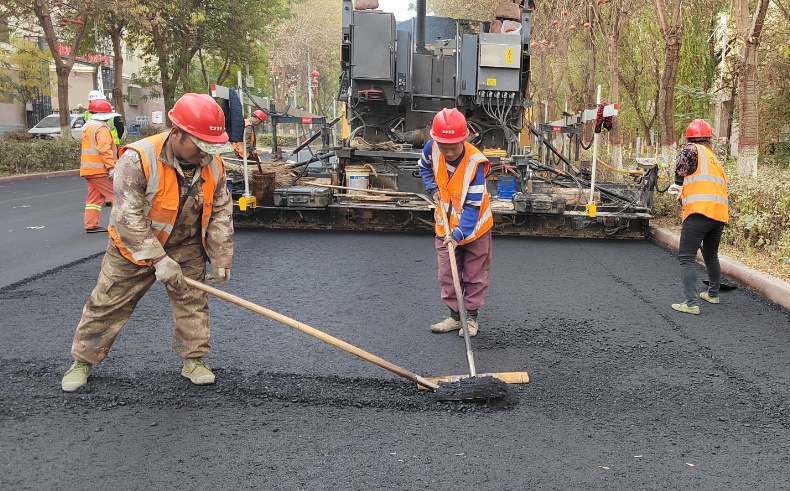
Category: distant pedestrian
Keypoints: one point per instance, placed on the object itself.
(454, 173)
(172, 212)
(701, 186)
(97, 162)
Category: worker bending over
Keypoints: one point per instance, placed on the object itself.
(454, 173)
(257, 118)
(97, 162)
(172, 210)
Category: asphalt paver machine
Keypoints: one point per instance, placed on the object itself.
(395, 77)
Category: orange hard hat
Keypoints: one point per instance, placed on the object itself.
(260, 115)
(200, 116)
(449, 126)
(699, 128)
(99, 106)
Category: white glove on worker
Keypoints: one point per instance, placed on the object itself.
(219, 276)
(674, 190)
(169, 272)
(112, 174)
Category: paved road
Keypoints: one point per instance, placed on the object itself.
(625, 393)
(43, 227)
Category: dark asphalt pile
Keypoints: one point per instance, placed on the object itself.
(624, 393)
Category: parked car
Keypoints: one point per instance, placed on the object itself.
(49, 127)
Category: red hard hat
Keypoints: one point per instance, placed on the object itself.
(99, 106)
(449, 126)
(699, 128)
(260, 115)
(200, 116)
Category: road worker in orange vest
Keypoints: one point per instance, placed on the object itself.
(250, 124)
(454, 173)
(172, 210)
(701, 186)
(97, 162)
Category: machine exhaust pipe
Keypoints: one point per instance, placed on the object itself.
(419, 35)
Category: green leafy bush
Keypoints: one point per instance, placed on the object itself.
(759, 210)
(38, 155)
(265, 140)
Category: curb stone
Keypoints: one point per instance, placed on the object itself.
(42, 175)
(773, 289)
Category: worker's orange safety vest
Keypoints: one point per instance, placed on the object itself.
(162, 194)
(239, 146)
(454, 190)
(705, 190)
(91, 161)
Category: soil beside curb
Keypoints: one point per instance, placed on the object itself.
(773, 289)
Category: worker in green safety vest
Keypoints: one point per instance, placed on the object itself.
(116, 123)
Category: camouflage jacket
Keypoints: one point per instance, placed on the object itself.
(132, 224)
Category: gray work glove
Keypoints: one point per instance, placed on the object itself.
(219, 276)
(169, 272)
(674, 190)
(112, 174)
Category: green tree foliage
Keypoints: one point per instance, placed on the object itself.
(25, 71)
(224, 31)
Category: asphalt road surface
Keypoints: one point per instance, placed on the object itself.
(625, 393)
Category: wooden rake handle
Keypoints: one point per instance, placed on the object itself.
(459, 293)
(339, 343)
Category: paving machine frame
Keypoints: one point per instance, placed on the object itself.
(394, 81)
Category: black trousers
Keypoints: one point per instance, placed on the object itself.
(699, 230)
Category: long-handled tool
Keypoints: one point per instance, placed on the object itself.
(471, 387)
(315, 333)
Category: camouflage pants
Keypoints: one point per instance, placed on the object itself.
(120, 287)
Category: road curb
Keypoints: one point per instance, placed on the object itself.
(42, 175)
(773, 289)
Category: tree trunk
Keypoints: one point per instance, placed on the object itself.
(62, 73)
(614, 94)
(748, 41)
(672, 32)
(117, 86)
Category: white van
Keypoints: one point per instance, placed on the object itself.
(49, 127)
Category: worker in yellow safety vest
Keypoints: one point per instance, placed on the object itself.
(172, 212)
(97, 162)
(454, 173)
(115, 124)
(701, 186)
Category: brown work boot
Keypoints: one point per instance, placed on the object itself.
(76, 376)
(450, 323)
(471, 324)
(196, 370)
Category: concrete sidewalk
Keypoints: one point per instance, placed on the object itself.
(773, 289)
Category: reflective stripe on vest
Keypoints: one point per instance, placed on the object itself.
(162, 195)
(705, 190)
(91, 162)
(451, 186)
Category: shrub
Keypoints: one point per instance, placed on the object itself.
(760, 211)
(38, 155)
(265, 140)
(17, 135)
